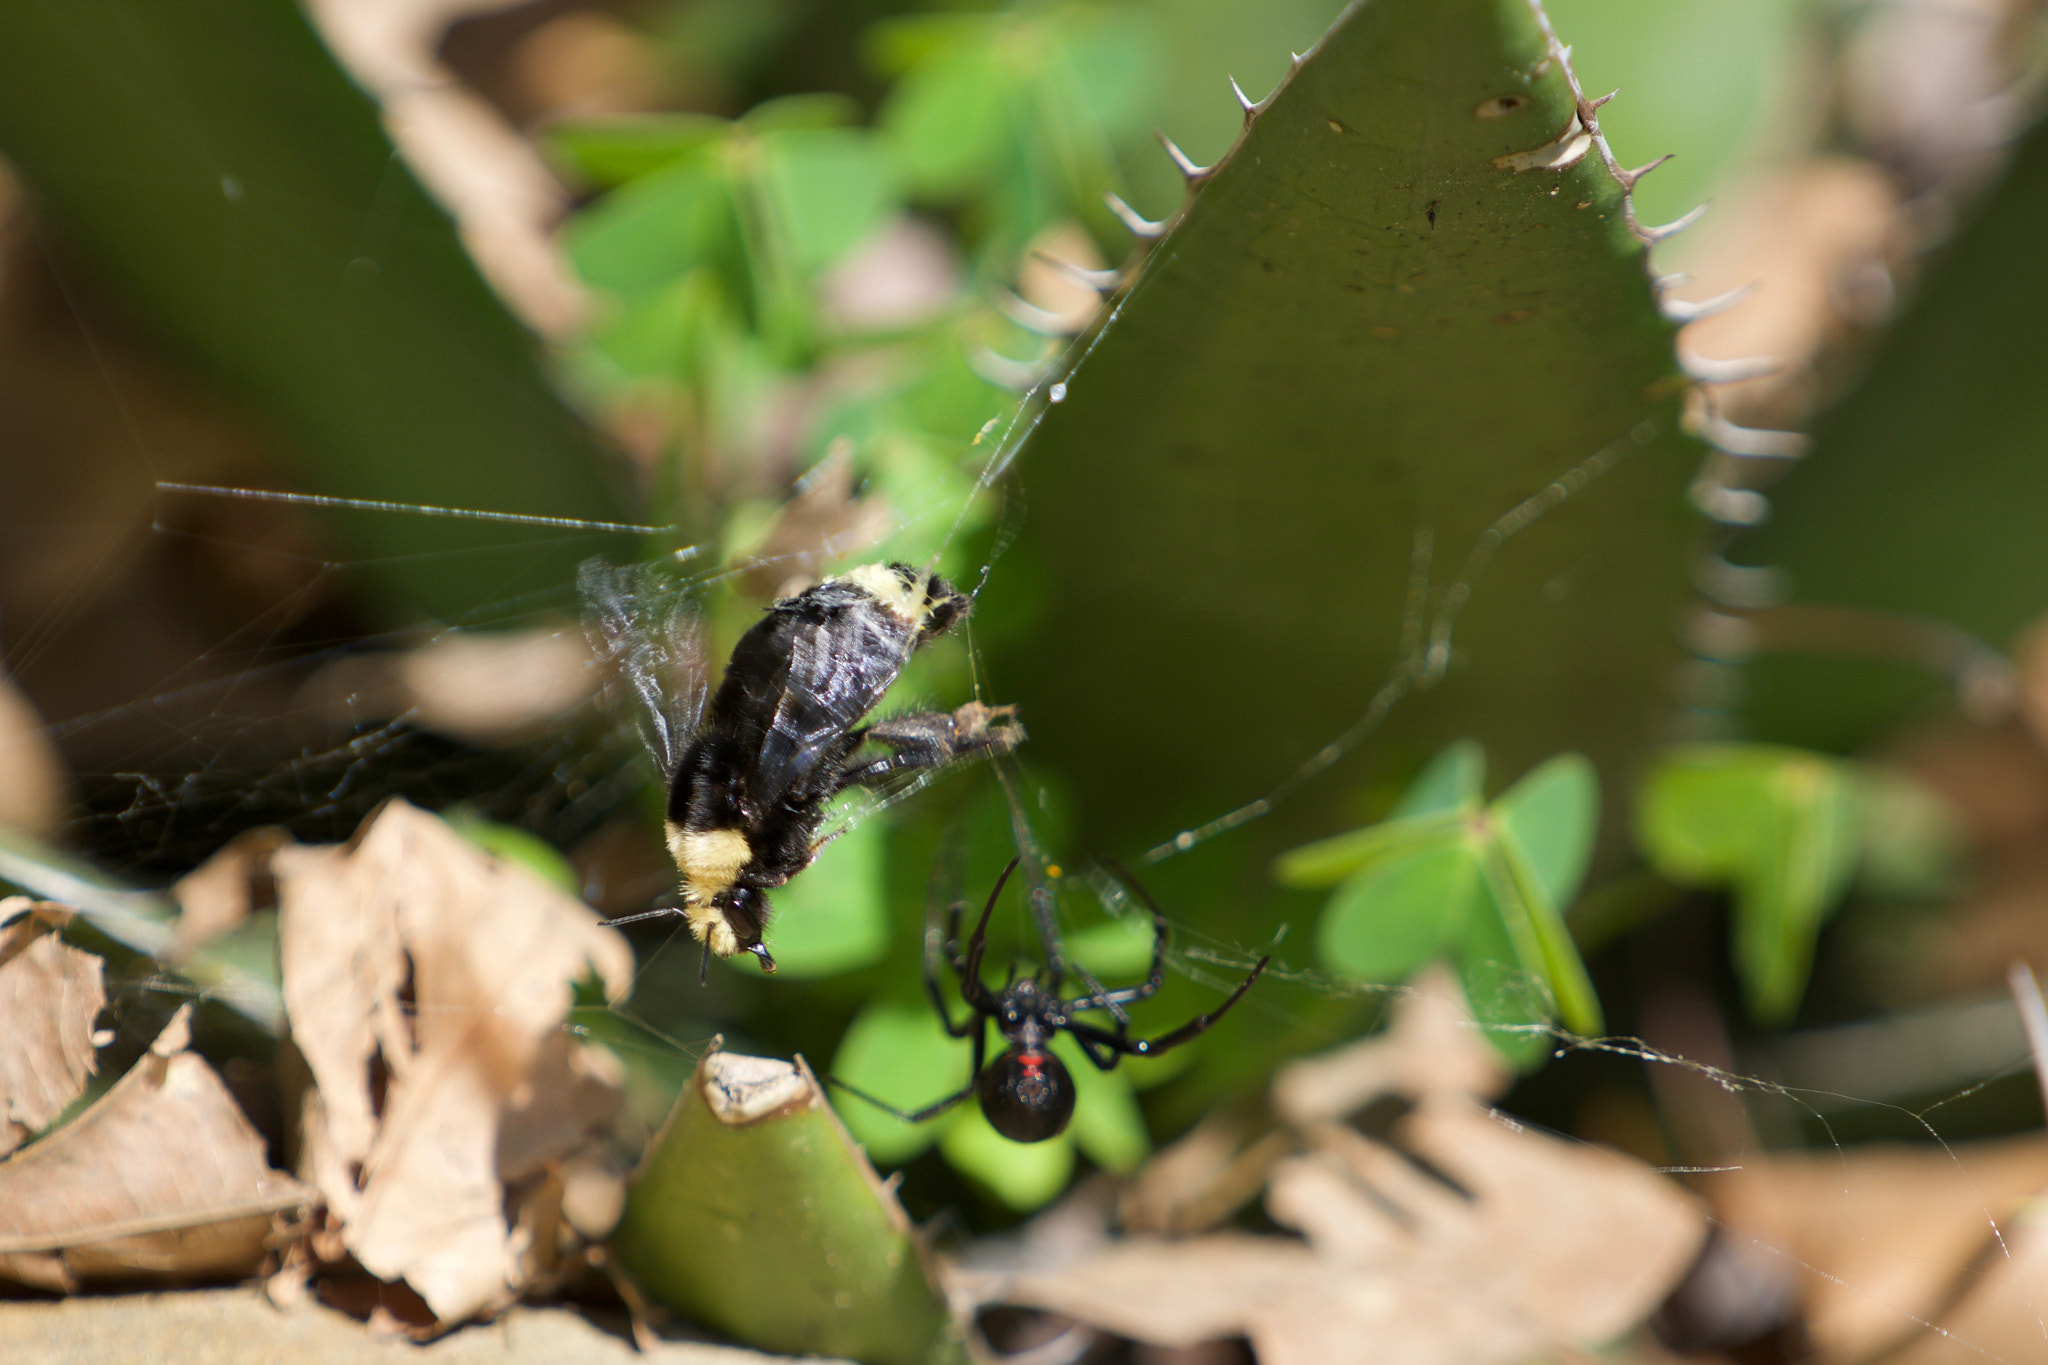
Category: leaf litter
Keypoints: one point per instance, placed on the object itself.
(1427, 1226)
(448, 1128)
(50, 993)
(162, 1179)
(426, 984)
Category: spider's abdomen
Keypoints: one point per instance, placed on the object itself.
(1027, 1095)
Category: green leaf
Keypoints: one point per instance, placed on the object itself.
(946, 120)
(1475, 379)
(1453, 780)
(812, 109)
(1383, 924)
(1535, 924)
(1107, 1124)
(1511, 1003)
(834, 918)
(1362, 851)
(1023, 1175)
(644, 236)
(1553, 817)
(1433, 806)
(1778, 825)
(608, 154)
(1705, 813)
(828, 189)
(1783, 900)
(834, 1271)
(1940, 555)
(1114, 948)
(216, 170)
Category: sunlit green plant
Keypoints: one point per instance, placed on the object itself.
(1485, 884)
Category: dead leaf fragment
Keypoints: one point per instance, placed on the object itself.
(1544, 1240)
(34, 793)
(426, 984)
(1889, 1237)
(162, 1178)
(504, 199)
(1433, 1046)
(225, 889)
(480, 687)
(1170, 1293)
(826, 521)
(1456, 1237)
(50, 993)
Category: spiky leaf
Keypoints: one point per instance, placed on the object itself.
(1372, 366)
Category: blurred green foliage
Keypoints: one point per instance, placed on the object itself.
(1447, 875)
(212, 162)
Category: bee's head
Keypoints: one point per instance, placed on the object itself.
(944, 605)
(745, 911)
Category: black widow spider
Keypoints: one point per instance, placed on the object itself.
(1026, 1093)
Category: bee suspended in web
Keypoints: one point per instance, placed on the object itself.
(1026, 1093)
(750, 775)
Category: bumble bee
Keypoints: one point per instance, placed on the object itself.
(749, 775)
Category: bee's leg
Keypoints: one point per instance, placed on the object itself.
(932, 739)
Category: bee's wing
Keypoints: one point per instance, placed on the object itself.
(829, 689)
(643, 624)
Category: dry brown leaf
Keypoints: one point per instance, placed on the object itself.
(1999, 1316)
(238, 1326)
(162, 1178)
(905, 275)
(1812, 241)
(1223, 1164)
(34, 795)
(1431, 1047)
(1167, 1293)
(1203, 1179)
(1532, 1239)
(226, 889)
(587, 64)
(426, 984)
(50, 993)
(1884, 1238)
(1465, 1239)
(1995, 778)
(481, 687)
(504, 199)
(825, 521)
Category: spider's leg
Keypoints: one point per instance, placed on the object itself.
(971, 990)
(930, 1111)
(1056, 965)
(1124, 995)
(1098, 1045)
(1152, 1047)
(979, 1031)
(931, 988)
(1159, 931)
(946, 878)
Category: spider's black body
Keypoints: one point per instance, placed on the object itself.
(749, 785)
(1026, 1093)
